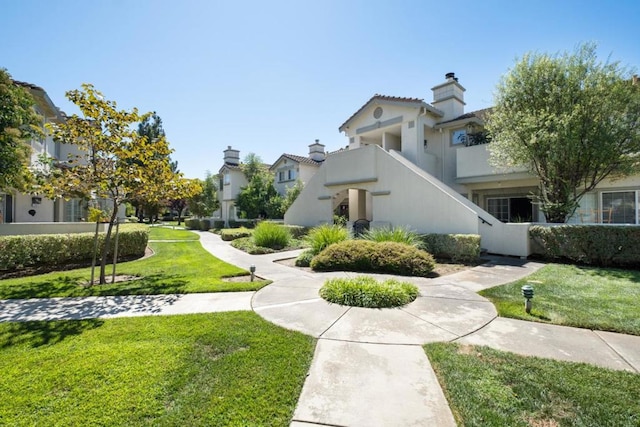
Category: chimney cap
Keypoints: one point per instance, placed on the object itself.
(450, 76)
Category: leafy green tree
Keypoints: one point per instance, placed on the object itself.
(204, 202)
(291, 195)
(259, 199)
(115, 162)
(19, 123)
(571, 120)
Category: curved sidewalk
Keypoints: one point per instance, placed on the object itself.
(369, 368)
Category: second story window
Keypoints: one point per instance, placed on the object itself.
(227, 178)
(281, 176)
(291, 174)
(459, 137)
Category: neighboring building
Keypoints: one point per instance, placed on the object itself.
(19, 207)
(413, 163)
(231, 181)
(289, 168)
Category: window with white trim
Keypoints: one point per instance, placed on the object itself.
(620, 207)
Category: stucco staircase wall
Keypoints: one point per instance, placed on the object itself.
(402, 194)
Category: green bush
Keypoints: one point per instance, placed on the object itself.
(368, 292)
(37, 250)
(192, 223)
(229, 234)
(271, 235)
(457, 247)
(304, 259)
(247, 245)
(205, 224)
(393, 234)
(324, 235)
(380, 257)
(598, 245)
(218, 224)
(297, 231)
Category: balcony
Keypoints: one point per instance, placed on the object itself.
(472, 165)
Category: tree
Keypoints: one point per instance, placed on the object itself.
(114, 162)
(571, 120)
(19, 123)
(259, 199)
(291, 195)
(204, 202)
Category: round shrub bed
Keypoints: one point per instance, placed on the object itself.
(368, 292)
(376, 257)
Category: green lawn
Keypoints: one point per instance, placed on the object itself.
(176, 267)
(164, 233)
(226, 369)
(585, 297)
(487, 387)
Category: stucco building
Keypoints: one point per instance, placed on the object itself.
(290, 168)
(425, 165)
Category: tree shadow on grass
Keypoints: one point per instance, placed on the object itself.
(76, 286)
(36, 334)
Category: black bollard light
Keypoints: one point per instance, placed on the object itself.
(252, 269)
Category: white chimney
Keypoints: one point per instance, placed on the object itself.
(316, 151)
(448, 97)
(231, 156)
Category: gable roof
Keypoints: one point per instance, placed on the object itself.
(238, 167)
(41, 98)
(392, 100)
(299, 159)
(477, 116)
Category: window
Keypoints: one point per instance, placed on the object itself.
(281, 176)
(227, 178)
(499, 208)
(291, 174)
(73, 211)
(620, 207)
(459, 137)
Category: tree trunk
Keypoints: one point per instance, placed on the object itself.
(107, 241)
(179, 216)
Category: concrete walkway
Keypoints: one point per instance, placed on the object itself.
(369, 368)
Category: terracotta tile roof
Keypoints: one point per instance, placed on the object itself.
(480, 114)
(238, 167)
(299, 159)
(386, 98)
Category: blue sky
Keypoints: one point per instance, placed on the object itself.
(270, 77)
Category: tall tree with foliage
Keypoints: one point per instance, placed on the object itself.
(115, 163)
(259, 199)
(19, 123)
(204, 202)
(571, 119)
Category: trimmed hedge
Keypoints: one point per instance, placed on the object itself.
(192, 223)
(377, 257)
(457, 247)
(599, 245)
(297, 231)
(17, 252)
(205, 224)
(230, 234)
(367, 292)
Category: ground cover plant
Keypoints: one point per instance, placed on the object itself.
(230, 234)
(365, 291)
(223, 369)
(584, 297)
(487, 387)
(176, 267)
(378, 257)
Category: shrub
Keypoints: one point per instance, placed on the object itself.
(457, 247)
(205, 224)
(304, 259)
(247, 245)
(589, 244)
(393, 234)
(192, 223)
(271, 235)
(218, 224)
(297, 231)
(229, 234)
(324, 235)
(368, 256)
(368, 292)
(17, 252)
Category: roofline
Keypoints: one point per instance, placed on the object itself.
(379, 99)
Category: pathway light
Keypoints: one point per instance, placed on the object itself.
(527, 293)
